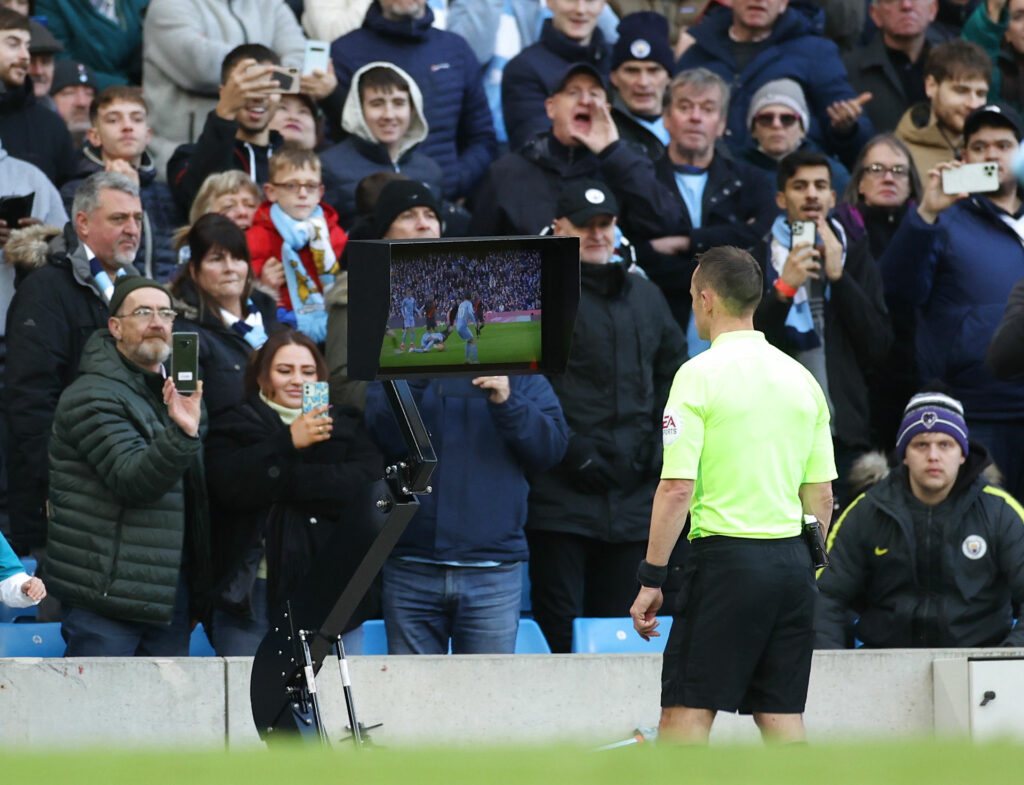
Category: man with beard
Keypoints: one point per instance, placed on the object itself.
(69, 278)
(128, 520)
(237, 133)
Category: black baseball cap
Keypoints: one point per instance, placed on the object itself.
(579, 68)
(582, 200)
(993, 114)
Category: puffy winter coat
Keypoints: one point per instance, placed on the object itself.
(119, 469)
(461, 137)
(626, 349)
(941, 576)
(360, 155)
(32, 132)
(958, 272)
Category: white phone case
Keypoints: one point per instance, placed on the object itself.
(317, 55)
(971, 178)
(803, 232)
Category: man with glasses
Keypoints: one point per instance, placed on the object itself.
(955, 259)
(55, 309)
(127, 537)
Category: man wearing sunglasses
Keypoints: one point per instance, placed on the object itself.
(778, 119)
(67, 281)
(128, 523)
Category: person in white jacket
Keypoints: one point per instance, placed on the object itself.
(18, 589)
(184, 43)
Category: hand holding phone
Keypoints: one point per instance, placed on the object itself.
(185, 361)
(315, 395)
(802, 232)
(317, 55)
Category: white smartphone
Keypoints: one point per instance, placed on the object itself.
(971, 179)
(317, 55)
(803, 232)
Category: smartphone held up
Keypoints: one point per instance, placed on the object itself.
(185, 361)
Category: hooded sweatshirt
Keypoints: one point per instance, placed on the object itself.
(360, 155)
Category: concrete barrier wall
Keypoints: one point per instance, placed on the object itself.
(428, 700)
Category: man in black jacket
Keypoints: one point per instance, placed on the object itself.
(641, 69)
(589, 515)
(824, 303)
(55, 309)
(519, 193)
(30, 131)
(716, 200)
(933, 555)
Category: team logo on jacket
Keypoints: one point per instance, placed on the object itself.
(974, 546)
(639, 49)
(669, 427)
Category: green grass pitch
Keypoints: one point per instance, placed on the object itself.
(907, 763)
(498, 343)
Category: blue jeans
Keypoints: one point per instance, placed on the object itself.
(89, 634)
(425, 605)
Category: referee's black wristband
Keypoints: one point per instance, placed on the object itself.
(650, 575)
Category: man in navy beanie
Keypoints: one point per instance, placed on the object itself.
(641, 68)
(933, 555)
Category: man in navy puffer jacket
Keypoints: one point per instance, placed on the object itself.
(461, 137)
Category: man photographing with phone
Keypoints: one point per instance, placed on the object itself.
(956, 258)
(128, 547)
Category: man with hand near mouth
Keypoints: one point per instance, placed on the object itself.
(824, 304)
(519, 194)
(116, 142)
(237, 132)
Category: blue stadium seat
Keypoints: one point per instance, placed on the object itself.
(9, 614)
(31, 640)
(616, 636)
(30, 564)
(375, 639)
(530, 640)
(199, 645)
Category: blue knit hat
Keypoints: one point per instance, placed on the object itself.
(643, 36)
(932, 413)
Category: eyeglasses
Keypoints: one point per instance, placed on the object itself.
(880, 170)
(767, 119)
(294, 188)
(145, 314)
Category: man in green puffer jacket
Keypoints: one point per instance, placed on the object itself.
(128, 545)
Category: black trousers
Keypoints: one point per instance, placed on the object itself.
(572, 575)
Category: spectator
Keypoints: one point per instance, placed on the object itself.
(185, 43)
(824, 304)
(932, 556)
(297, 118)
(891, 66)
(956, 259)
(716, 199)
(763, 40)
(128, 536)
(30, 131)
(327, 20)
(214, 296)
(1005, 355)
(384, 119)
(296, 242)
(679, 16)
(17, 588)
(998, 28)
(107, 37)
(281, 483)
(116, 142)
(589, 516)
(778, 119)
(41, 49)
(461, 133)
(641, 68)
(72, 92)
(455, 573)
(520, 191)
(883, 187)
(957, 76)
(232, 194)
(54, 310)
(570, 36)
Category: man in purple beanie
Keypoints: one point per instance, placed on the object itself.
(933, 555)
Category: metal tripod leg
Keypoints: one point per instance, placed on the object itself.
(346, 685)
(310, 677)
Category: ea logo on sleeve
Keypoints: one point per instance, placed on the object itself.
(669, 427)
(974, 546)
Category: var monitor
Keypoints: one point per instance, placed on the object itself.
(461, 307)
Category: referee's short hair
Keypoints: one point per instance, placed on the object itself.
(732, 274)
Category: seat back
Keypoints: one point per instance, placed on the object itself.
(616, 636)
(530, 639)
(199, 644)
(31, 639)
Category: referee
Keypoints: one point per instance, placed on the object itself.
(747, 451)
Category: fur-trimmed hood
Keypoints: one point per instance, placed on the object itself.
(31, 247)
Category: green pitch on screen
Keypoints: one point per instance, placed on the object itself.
(908, 763)
(497, 343)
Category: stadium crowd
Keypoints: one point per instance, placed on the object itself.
(176, 183)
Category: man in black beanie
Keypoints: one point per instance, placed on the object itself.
(641, 69)
(407, 209)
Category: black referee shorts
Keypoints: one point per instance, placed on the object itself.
(743, 632)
